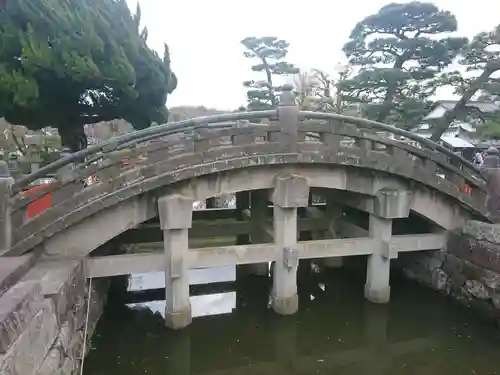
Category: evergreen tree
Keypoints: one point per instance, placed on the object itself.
(482, 57)
(270, 53)
(397, 52)
(66, 63)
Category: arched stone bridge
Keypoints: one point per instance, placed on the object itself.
(277, 162)
(282, 156)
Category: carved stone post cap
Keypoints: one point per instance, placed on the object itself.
(175, 211)
(290, 191)
(287, 97)
(392, 203)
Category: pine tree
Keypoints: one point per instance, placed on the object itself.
(66, 63)
(482, 57)
(270, 53)
(397, 52)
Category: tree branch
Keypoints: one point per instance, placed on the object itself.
(452, 114)
(20, 147)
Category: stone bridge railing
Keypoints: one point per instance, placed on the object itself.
(282, 135)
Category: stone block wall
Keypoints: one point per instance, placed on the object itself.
(42, 316)
(468, 269)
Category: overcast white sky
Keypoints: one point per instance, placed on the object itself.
(204, 37)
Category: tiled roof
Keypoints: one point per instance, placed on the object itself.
(482, 106)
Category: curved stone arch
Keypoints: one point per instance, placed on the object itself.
(425, 203)
(87, 235)
(430, 204)
(83, 237)
(218, 161)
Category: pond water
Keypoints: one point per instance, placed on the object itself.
(336, 331)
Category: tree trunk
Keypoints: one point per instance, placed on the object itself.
(385, 108)
(18, 144)
(451, 115)
(269, 75)
(73, 137)
(338, 103)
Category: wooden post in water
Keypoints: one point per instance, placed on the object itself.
(242, 203)
(258, 218)
(333, 215)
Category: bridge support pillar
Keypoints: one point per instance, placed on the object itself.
(377, 287)
(175, 213)
(333, 215)
(6, 182)
(242, 204)
(290, 192)
(258, 216)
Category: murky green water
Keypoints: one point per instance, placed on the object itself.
(335, 332)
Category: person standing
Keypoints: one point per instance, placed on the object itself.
(477, 159)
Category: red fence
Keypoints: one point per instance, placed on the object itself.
(40, 205)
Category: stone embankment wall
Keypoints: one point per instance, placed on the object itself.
(468, 269)
(42, 315)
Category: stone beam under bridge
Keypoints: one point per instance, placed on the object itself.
(126, 264)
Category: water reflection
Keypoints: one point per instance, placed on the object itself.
(335, 332)
(142, 281)
(201, 305)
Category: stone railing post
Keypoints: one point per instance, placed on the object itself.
(13, 166)
(66, 171)
(288, 117)
(64, 175)
(492, 203)
(6, 182)
(35, 160)
(175, 213)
